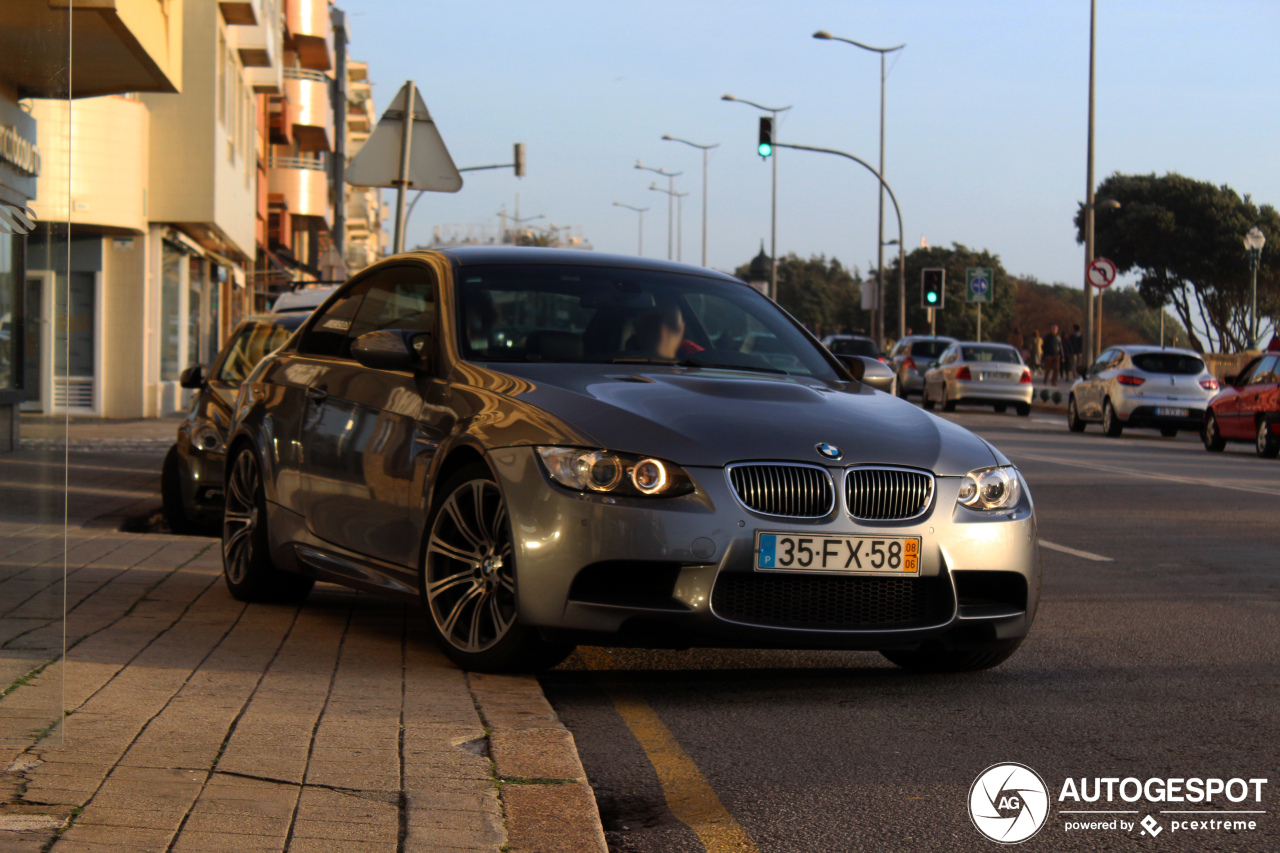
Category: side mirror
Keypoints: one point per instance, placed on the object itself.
(192, 377)
(870, 371)
(394, 349)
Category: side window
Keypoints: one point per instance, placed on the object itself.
(1103, 361)
(398, 298)
(249, 348)
(327, 333)
(1265, 373)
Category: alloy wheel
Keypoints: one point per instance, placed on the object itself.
(240, 518)
(470, 568)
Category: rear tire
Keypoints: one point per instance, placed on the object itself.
(468, 581)
(1074, 423)
(938, 659)
(1023, 409)
(1001, 408)
(250, 573)
(925, 399)
(1169, 432)
(1111, 424)
(1266, 443)
(948, 405)
(175, 514)
(1211, 435)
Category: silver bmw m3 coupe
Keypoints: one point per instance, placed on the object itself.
(548, 448)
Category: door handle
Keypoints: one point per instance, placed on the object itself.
(318, 394)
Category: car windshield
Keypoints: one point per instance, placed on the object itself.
(1168, 362)
(929, 349)
(1005, 355)
(855, 346)
(250, 347)
(610, 315)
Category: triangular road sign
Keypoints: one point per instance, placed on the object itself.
(430, 166)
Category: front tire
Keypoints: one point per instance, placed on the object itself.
(175, 513)
(1169, 432)
(938, 659)
(1074, 422)
(1210, 434)
(925, 399)
(250, 573)
(1266, 443)
(468, 581)
(1111, 424)
(948, 405)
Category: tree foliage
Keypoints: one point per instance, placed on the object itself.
(1127, 319)
(957, 318)
(818, 291)
(1185, 238)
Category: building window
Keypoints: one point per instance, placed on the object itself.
(10, 310)
(171, 275)
(222, 78)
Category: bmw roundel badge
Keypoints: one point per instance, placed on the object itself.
(829, 450)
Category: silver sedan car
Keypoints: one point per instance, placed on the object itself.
(983, 373)
(547, 447)
(1142, 386)
(912, 357)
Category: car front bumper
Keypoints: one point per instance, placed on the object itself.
(674, 572)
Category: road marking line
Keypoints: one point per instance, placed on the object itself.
(689, 796)
(1084, 555)
(1114, 469)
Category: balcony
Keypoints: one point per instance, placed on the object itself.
(279, 124)
(310, 32)
(302, 184)
(309, 108)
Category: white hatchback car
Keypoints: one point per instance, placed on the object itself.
(1142, 386)
(983, 373)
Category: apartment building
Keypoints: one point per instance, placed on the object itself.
(365, 241)
(54, 51)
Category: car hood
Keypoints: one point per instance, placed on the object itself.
(705, 417)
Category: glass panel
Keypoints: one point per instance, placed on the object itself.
(47, 333)
(171, 262)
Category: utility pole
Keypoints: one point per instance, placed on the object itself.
(1089, 351)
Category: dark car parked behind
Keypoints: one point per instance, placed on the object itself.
(191, 482)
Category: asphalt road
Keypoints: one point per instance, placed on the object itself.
(1159, 661)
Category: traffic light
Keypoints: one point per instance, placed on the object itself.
(765, 148)
(933, 288)
(519, 161)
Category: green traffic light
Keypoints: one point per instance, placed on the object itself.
(765, 149)
(931, 296)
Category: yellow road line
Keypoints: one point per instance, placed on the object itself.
(688, 794)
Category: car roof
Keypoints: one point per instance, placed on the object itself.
(287, 319)
(851, 338)
(464, 256)
(1139, 349)
(913, 338)
(986, 344)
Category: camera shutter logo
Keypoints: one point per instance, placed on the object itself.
(1008, 803)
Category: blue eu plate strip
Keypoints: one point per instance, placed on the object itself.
(768, 544)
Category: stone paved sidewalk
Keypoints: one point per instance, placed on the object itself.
(195, 722)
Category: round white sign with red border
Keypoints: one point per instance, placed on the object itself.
(1101, 272)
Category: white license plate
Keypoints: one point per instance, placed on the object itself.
(1166, 412)
(988, 376)
(794, 552)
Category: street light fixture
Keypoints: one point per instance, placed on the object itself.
(1253, 242)
(671, 183)
(902, 296)
(705, 149)
(639, 210)
(679, 197)
(773, 205)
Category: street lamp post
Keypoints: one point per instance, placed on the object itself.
(902, 296)
(671, 184)
(679, 197)
(1089, 351)
(705, 149)
(773, 204)
(1254, 241)
(639, 210)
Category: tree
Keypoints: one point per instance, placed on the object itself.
(1127, 319)
(957, 318)
(1185, 238)
(819, 291)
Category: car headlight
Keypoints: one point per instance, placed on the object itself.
(208, 438)
(990, 488)
(607, 472)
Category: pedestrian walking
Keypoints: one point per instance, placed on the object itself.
(1052, 355)
(1015, 339)
(1037, 351)
(1075, 349)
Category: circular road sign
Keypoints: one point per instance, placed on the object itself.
(1101, 272)
(979, 284)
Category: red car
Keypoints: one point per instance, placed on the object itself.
(1247, 408)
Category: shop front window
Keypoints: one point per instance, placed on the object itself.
(10, 310)
(171, 263)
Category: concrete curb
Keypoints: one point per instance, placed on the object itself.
(549, 805)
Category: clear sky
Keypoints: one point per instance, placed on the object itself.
(986, 116)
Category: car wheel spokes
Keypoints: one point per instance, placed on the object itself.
(240, 518)
(470, 561)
